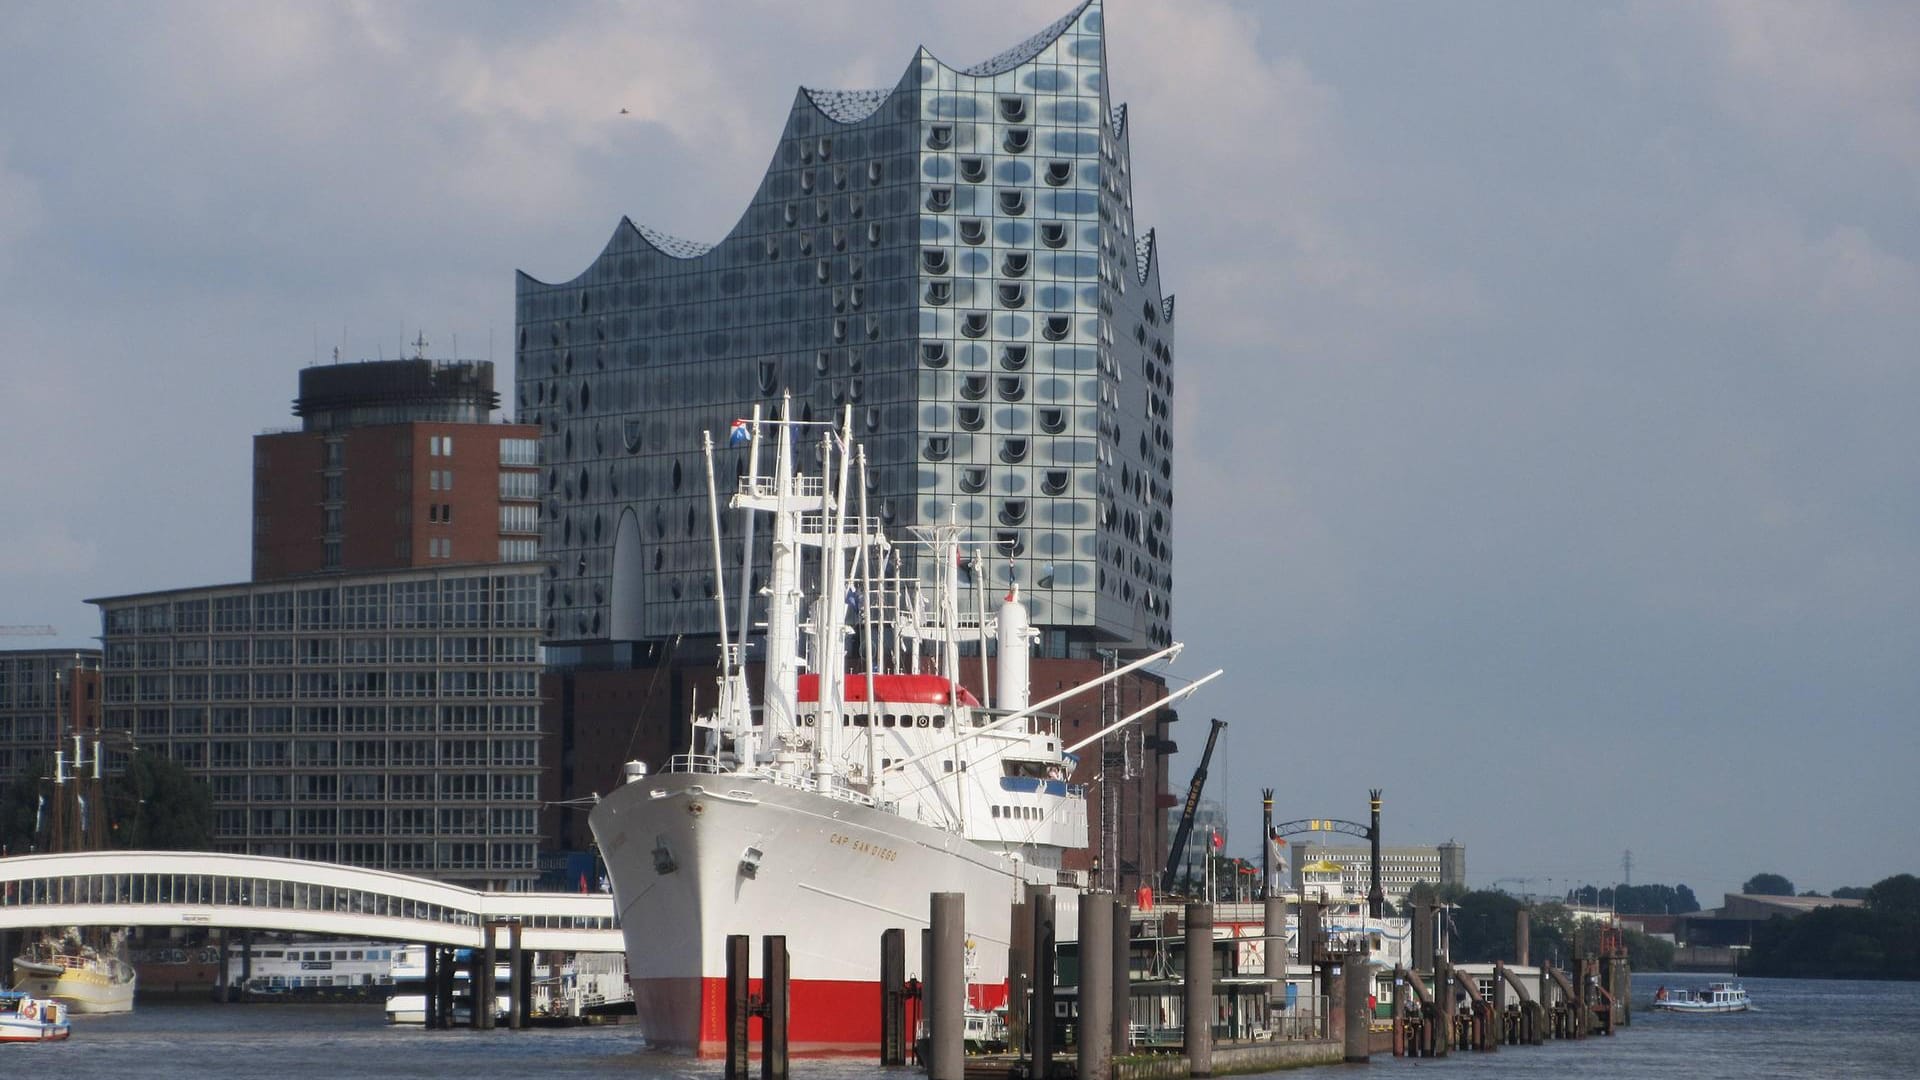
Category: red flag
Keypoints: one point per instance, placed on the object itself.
(583, 883)
(1216, 840)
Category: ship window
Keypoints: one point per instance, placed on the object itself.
(939, 721)
(886, 720)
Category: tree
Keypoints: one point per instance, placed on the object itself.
(1850, 892)
(1896, 897)
(156, 805)
(20, 809)
(1767, 885)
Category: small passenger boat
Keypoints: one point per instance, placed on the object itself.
(25, 1018)
(1720, 997)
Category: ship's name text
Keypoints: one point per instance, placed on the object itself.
(863, 847)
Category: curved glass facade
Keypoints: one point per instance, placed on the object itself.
(955, 261)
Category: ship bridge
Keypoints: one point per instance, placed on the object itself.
(256, 892)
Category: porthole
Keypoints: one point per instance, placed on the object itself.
(973, 387)
(1016, 263)
(1054, 482)
(1059, 172)
(973, 324)
(1013, 512)
(939, 136)
(1012, 388)
(973, 169)
(1017, 140)
(1013, 357)
(1013, 451)
(1057, 327)
(933, 354)
(940, 199)
(939, 292)
(934, 260)
(1053, 421)
(1053, 234)
(1012, 295)
(1013, 109)
(970, 417)
(937, 448)
(973, 231)
(1013, 202)
(973, 480)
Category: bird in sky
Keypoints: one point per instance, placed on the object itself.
(623, 111)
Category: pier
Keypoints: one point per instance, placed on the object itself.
(1126, 986)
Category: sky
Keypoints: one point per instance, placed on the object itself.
(1546, 451)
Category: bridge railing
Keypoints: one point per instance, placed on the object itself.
(36, 882)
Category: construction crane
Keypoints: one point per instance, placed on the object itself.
(28, 631)
(1179, 845)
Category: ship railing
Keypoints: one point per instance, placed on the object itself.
(694, 763)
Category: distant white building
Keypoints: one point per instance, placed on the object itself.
(1401, 867)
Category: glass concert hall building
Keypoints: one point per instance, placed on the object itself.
(955, 259)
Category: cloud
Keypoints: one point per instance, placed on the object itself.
(1753, 257)
(1798, 69)
(22, 210)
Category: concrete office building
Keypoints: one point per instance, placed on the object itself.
(954, 260)
(387, 720)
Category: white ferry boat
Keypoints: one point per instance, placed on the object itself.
(833, 809)
(322, 969)
(1719, 997)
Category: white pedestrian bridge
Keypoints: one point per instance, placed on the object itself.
(255, 892)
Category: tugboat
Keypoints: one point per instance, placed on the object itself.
(1720, 997)
(25, 1018)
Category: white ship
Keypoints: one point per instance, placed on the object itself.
(834, 809)
(85, 979)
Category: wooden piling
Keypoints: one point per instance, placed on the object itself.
(947, 988)
(775, 968)
(1399, 1011)
(1121, 1028)
(1198, 1027)
(739, 1006)
(486, 984)
(893, 997)
(1019, 975)
(516, 980)
(1045, 956)
(1094, 1032)
(1358, 980)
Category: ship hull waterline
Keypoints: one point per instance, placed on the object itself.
(696, 857)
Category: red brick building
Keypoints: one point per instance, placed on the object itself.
(395, 465)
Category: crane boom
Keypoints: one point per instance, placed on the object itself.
(1193, 806)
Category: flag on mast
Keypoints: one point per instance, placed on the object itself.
(740, 434)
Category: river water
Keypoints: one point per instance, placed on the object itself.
(1799, 1028)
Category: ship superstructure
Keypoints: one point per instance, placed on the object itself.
(833, 810)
